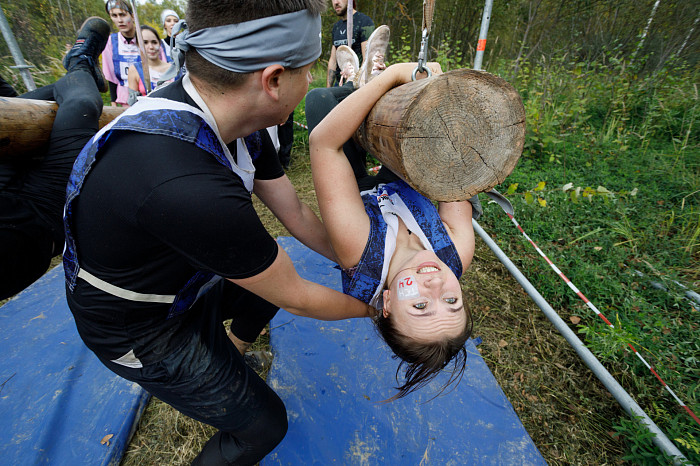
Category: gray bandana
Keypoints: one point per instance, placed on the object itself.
(291, 40)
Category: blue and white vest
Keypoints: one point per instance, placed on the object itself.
(383, 205)
(162, 117)
(123, 56)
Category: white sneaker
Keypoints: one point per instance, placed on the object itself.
(348, 63)
(373, 62)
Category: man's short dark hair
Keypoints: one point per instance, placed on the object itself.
(203, 14)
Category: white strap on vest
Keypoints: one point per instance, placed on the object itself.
(244, 166)
(246, 174)
(123, 293)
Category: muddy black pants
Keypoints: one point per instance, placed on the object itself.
(207, 378)
(32, 194)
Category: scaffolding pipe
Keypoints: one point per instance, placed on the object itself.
(21, 65)
(481, 45)
(628, 404)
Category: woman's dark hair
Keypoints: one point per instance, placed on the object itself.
(149, 28)
(423, 361)
(203, 14)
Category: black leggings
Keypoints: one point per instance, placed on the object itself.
(32, 196)
(319, 103)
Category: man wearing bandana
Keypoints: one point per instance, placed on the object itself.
(163, 243)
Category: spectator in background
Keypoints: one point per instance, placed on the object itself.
(121, 51)
(156, 66)
(168, 18)
(362, 27)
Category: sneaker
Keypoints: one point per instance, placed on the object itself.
(90, 43)
(373, 63)
(259, 361)
(348, 63)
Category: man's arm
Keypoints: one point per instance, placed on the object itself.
(282, 286)
(280, 197)
(332, 65)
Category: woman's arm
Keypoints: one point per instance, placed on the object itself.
(340, 204)
(457, 217)
(134, 80)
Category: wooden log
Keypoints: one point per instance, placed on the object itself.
(449, 136)
(25, 124)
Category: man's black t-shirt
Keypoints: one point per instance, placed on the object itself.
(362, 28)
(153, 211)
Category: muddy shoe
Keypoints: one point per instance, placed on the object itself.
(373, 63)
(259, 361)
(348, 63)
(90, 43)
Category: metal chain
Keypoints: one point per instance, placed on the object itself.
(428, 9)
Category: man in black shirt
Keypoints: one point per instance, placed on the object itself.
(362, 27)
(163, 243)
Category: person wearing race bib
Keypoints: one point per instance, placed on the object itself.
(168, 19)
(121, 52)
(156, 66)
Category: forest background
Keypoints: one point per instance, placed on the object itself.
(608, 186)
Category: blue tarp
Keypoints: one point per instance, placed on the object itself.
(57, 401)
(333, 376)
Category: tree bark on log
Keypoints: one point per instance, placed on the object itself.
(449, 136)
(25, 124)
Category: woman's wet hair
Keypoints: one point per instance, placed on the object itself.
(424, 361)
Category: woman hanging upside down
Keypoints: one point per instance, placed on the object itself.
(398, 252)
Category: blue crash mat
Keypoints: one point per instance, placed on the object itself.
(332, 377)
(57, 401)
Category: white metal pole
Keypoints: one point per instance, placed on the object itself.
(21, 65)
(628, 404)
(481, 45)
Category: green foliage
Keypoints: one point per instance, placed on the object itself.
(627, 245)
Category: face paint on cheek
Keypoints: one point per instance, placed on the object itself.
(407, 288)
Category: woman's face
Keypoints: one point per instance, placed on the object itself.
(170, 21)
(151, 44)
(425, 299)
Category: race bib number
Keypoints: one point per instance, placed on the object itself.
(124, 70)
(407, 288)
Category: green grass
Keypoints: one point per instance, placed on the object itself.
(646, 219)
